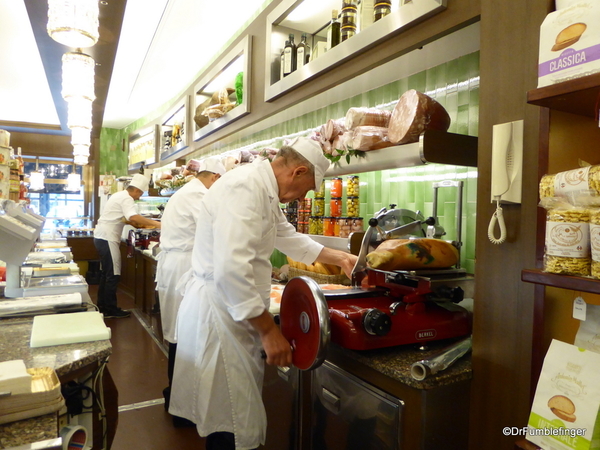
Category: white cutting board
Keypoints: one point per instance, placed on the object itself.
(58, 329)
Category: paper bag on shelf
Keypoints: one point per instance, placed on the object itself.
(564, 414)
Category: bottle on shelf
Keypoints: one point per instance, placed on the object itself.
(21, 162)
(289, 56)
(281, 63)
(333, 30)
(349, 13)
(381, 9)
(365, 13)
(302, 52)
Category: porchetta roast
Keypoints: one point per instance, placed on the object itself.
(413, 254)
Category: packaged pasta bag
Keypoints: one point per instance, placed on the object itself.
(567, 243)
(586, 178)
(591, 200)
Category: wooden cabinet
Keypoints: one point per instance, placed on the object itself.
(568, 132)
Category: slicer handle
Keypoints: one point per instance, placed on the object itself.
(373, 222)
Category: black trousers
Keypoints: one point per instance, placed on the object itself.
(220, 441)
(107, 289)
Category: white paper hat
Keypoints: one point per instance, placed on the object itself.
(140, 181)
(212, 165)
(312, 151)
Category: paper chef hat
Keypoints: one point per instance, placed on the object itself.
(140, 181)
(312, 151)
(212, 165)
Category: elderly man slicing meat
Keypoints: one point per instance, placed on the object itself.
(223, 321)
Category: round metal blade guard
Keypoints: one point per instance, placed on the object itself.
(304, 321)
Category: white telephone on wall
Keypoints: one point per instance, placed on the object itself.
(507, 172)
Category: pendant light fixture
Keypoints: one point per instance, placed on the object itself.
(73, 180)
(36, 179)
(73, 23)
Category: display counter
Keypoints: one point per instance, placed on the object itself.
(71, 362)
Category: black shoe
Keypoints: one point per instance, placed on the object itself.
(116, 313)
(181, 422)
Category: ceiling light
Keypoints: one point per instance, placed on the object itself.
(78, 76)
(36, 179)
(73, 22)
(73, 180)
(80, 160)
(81, 136)
(79, 113)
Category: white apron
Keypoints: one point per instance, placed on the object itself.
(217, 381)
(218, 386)
(172, 264)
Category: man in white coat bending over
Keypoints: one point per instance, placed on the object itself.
(224, 321)
(175, 258)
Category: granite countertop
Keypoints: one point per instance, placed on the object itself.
(395, 362)
(28, 431)
(64, 359)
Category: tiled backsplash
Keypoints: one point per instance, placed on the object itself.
(455, 85)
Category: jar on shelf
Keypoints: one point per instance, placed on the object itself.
(312, 225)
(336, 226)
(353, 186)
(321, 192)
(381, 9)
(303, 227)
(353, 206)
(335, 207)
(319, 207)
(348, 16)
(345, 224)
(328, 226)
(357, 225)
(306, 204)
(336, 187)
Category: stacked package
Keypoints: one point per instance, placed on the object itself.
(4, 160)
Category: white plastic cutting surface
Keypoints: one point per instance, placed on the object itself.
(58, 329)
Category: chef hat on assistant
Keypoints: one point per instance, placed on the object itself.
(140, 181)
(312, 151)
(212, 165)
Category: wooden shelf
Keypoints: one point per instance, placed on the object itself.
(561, 281)
(576, 96)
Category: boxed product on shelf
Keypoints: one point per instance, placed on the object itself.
(569, 43)
(4, 138)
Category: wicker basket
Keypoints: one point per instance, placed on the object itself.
(319, 277)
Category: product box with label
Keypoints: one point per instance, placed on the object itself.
(570, 43)
(4, 181)
(564, 413)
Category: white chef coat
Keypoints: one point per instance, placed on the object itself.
(110, 225)
(176, 243)
(218, 373)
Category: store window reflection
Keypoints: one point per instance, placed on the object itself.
(63, 207)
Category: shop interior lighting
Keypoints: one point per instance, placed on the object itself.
(36, 179)
(81, 154)
(73, 180)
(80, 160)
(78, 75)
(79, 113)
(73, 23)
(81, 136)
(226, 77)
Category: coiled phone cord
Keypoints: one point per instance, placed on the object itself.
(498, 218)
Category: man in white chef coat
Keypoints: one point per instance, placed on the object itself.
(119, 208)
(224, 320)
(175, 258)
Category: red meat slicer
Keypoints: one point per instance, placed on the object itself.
(382, 309)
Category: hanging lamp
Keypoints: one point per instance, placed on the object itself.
(36, 179)
(73, 23)
(73, 180)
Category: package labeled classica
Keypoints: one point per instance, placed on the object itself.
(567, 244)
(563, 184)
(569, 43)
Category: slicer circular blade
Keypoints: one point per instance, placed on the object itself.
(304, 321)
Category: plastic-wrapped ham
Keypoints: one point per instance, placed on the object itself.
(357, 117)
(342, 142)
(367, 138)
(332, 129)
(414, 113)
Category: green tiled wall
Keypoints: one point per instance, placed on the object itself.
(455, 85)
(113, 160)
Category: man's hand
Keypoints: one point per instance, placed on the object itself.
(276, 347)
(345, 260)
